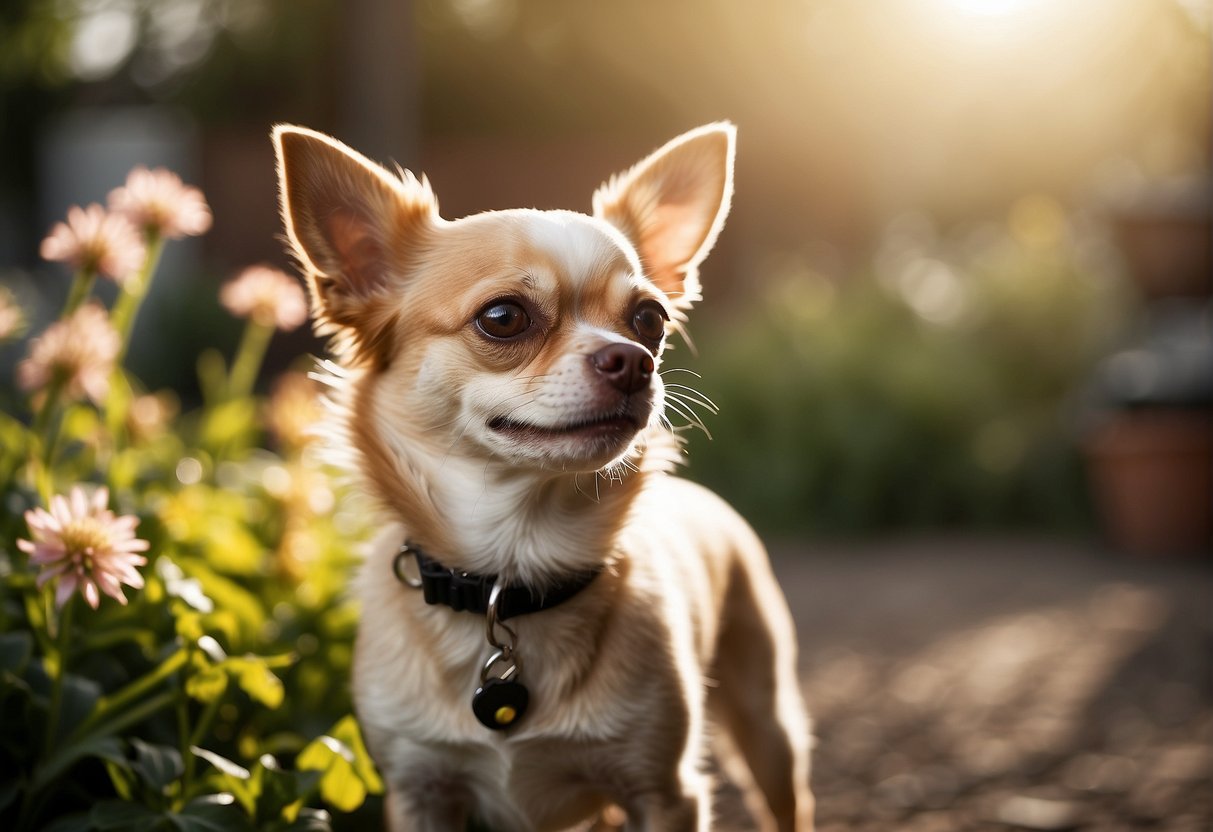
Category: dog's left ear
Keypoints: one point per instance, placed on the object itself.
(672, 205)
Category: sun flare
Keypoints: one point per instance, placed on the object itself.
(989, 8)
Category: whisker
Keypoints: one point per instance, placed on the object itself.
(688, 403)
(685, 412)
(691, 395)
(577, 488)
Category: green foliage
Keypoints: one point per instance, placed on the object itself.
(933, 388)
(347, 774)
(200, 704)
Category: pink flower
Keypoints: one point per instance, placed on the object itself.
(157, 201)
(93, 240)
(269, 296)
(79, 351)
(85, 546)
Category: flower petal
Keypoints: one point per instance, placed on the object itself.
(65, 588)
(90, 593)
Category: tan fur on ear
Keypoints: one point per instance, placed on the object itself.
(672, 205)
(351, 224)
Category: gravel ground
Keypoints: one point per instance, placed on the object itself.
(1002, 685)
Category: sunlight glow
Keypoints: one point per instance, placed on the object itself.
(990, 8)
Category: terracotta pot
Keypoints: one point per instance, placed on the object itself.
(1152, 479)
(1166, 234)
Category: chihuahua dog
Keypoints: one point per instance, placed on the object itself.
(553, 619)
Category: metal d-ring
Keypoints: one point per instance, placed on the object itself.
(501, 655)
(398, 567)
(492, 624)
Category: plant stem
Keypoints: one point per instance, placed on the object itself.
(46, 428)
(123, 317)
(42, 420)
(61, 649)
(54, 766)
(204, 722)
(183, 738)
(35, 614)
(81, 286)
(195, 738)
(126, 308)
(247, 363)
(109, 705)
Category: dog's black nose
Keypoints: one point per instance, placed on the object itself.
(627, 367)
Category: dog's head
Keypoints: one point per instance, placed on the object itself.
(528, 337)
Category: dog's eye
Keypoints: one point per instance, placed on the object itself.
(503, 319)
(649, 321)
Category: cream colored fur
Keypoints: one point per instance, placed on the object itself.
(526, 456)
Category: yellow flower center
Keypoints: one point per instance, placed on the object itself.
(83, 538)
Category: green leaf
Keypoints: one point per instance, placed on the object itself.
(15, 651)
(320, 753)
(222, 763)
(230, 422)
(207, 685)
(145, 639)
(340, 786)
(237, 779)
(9, 791)
(105, 747)
(123, 469)
(14, 438)
(122, 779)
(122, 816)
(256, 679)
(79, 423)
(309, 820)
(212, 813)
(230, 596)
(75, 822)
(231, 547)
(80, 697)
(348, 732)
(348, 773)
(158, 765)
(279, 793)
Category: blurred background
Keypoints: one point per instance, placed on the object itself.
(963, 296)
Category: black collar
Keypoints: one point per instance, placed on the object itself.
(465, 592)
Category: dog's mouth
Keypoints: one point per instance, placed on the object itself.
(606, 426)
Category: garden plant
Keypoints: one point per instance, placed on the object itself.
(174, 635)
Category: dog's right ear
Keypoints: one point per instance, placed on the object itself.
(350, 223)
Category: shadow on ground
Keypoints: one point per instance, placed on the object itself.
(993, 684)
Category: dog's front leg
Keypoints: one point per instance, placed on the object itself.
(686, 808)
(436, 810)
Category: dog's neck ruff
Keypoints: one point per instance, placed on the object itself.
(466, 592)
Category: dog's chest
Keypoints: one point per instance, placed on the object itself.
(544, 774)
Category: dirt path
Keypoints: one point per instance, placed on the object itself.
(992, 684)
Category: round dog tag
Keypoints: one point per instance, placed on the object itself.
(500, 703)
